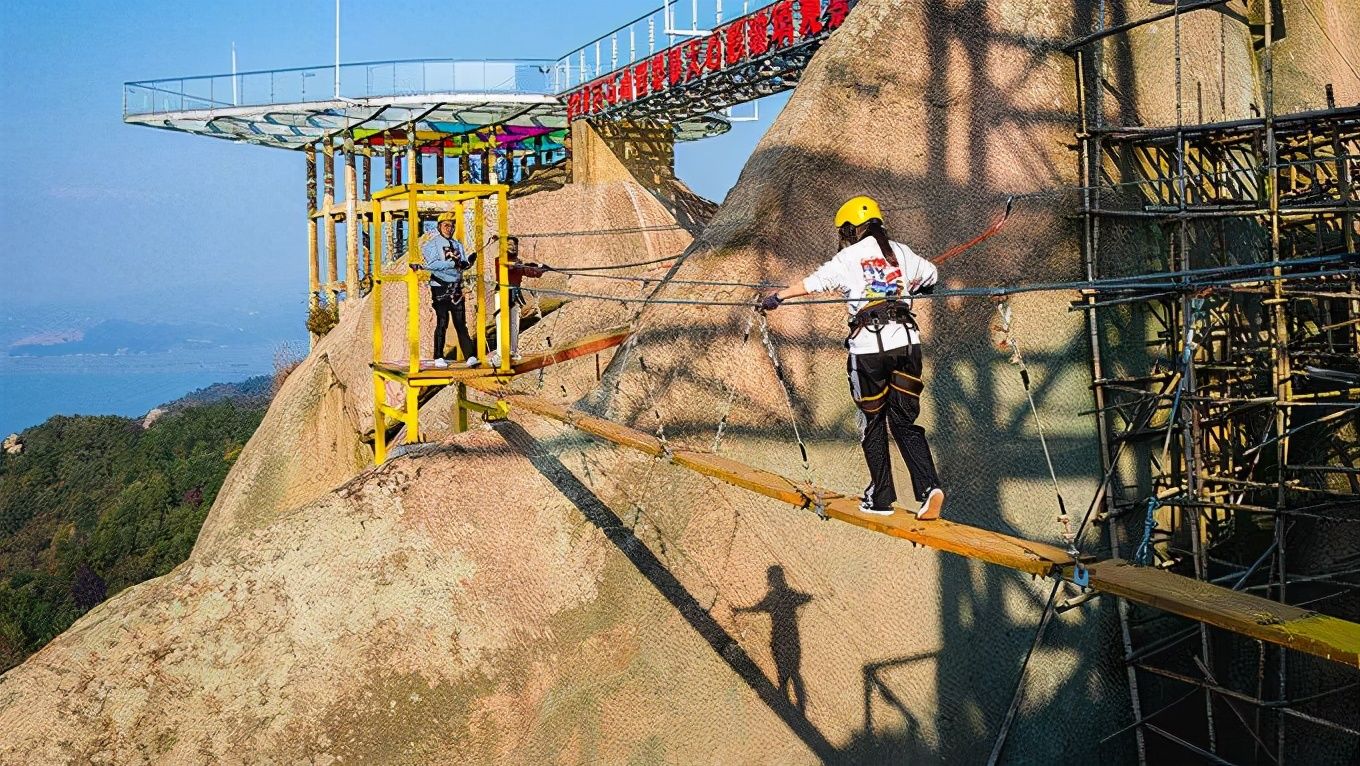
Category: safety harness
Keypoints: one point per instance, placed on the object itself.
(877, 315)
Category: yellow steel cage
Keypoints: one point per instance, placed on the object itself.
(408, 204)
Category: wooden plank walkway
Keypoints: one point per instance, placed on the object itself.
(1289, 626)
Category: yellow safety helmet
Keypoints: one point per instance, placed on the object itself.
(858, 210)
(449, 216)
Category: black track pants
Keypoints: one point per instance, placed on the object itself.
(887, 389)
(442, 311)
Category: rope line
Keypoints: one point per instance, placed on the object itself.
(600, 232)
(613, 266)
(731, 389)
(648, 279)
(1127, 284)
(1143, 555)
(1017, 358)
(815, 501)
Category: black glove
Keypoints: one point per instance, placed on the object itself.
(770, 302)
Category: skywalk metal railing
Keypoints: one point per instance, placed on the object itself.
(642, 37)
(369, 79)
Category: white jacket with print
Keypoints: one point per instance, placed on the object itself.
(862, 274)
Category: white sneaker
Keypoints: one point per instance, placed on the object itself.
(440, 363)
(516, 358)
(471, 362)
(866, 507)
(930, 508)
(494, 359)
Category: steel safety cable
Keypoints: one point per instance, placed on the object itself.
(648, 279)
(613, 266)
(1196, 314)
(1003, 309)
(731, 389)
(635, 327)
(981, 292)
(602, 231)
(1137, 281)
(815, 501)
(1130, 282)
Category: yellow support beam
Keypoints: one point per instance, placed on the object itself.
(1289, 626)
(478, 237)
(419, 386)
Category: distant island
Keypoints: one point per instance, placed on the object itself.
(117, 336)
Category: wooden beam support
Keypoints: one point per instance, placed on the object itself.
(353, 226)
(313, 267)
(328, 211)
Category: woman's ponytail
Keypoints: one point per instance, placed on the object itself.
(874, 228)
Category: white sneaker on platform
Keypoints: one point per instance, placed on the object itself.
(494, 359)
(516, 358)
(440, 363)
(471, 362)
(930, 508)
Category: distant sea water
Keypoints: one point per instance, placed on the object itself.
(32, 389)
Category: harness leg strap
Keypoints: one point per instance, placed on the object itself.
(908, 384)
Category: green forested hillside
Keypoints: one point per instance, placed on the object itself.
(95, 504)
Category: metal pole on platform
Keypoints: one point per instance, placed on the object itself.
(478, 237)
(412, 161)
(235, 88)
(1279, 358)
(337, 48)
(502, 272)
(388, 162)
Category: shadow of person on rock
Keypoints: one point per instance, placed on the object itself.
(786, 645)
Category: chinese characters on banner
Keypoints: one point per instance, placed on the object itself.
(769, 29)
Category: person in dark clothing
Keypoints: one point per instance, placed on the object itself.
(445, 260)
(516, 271)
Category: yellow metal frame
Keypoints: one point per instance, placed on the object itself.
(387, 207)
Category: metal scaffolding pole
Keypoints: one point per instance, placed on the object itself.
(1274, 190)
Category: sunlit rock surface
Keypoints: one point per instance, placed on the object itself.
(520, 594)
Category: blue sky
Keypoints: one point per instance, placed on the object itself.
(103, 220)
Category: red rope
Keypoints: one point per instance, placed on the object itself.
(994, 228)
